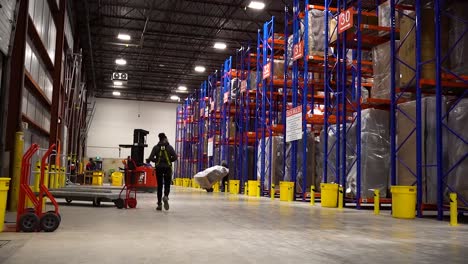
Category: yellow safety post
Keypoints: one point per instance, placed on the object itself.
(312, 195)
(64, 176)
(52, 177)
(246, 189)
(453, 209)
(15, 179)
(340, 197)
(37, 176)
(258, 189)
(4, 186)
(216, 187)
(376, 202)
(57, 177)
(272, 192)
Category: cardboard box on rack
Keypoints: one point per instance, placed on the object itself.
(407, 51)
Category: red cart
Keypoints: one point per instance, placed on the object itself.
(33, 219)
(136, 177)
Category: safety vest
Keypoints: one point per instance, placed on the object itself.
(163, 149)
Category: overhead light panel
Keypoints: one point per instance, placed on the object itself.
(175, 98)
(220, 45)
(118, 83)
(123, 36)
(200, 69)
(116, 93)
(257, 5)
(120, 62)
(182, 88)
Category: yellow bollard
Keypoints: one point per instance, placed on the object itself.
(15, 179)
(52, 177)
(37, 176)
(453, 209)
(340, 197)
(246, 189)
(376, 202)
(272, 192)
(312, 195)
(258, 189)
(4, 187)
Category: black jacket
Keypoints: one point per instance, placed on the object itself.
(157, 152)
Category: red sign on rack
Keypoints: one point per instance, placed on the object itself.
(298, 51)
(266, 71)
(226, 97)
(345, 20)
(243, 86)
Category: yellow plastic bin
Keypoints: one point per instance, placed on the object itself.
(117, 178)
(253, 188)
(286, 191)
(186, 182)
(329, 195)
(403, 201)
(4, 186)
(234, 186)
(216, 187)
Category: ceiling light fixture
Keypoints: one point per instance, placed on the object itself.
(123, 36)
(256, 5)
(175, 98)
(182, 88)
(200, 69)
(116, 93)
(118, 83)
(120, 62)
(220, 45)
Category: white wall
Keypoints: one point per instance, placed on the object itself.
(115, 120)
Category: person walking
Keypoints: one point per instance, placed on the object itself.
(163, 154)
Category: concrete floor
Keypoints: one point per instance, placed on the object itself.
(219, 228)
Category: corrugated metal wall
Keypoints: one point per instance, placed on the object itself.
(7, 13)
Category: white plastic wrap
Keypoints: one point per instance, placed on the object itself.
(311, 173)
(277, 159)
(407, 151)
(458, 122)
(375, 154)
(316, 29)
(457, 32)
(382, 59)
(210, 176)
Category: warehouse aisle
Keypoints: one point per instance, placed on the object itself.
(219, 228)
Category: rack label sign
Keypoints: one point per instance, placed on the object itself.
(210, 147)
(294, 124)
(298, 51)
(345, 20)
(226, 97)
(243, 86)
(266, 71)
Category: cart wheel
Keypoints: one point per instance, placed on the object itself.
(50, 222)
(132, 202)
(210, 190)
(97, 203)
(59, 216)
(29, 222)
(68, 200)
(119, 203)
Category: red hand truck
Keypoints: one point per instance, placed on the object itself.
(135, 177)
(33, 219)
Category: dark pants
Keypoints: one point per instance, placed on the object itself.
(164, 177)
(224, 181)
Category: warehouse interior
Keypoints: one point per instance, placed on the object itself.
(202, 131)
